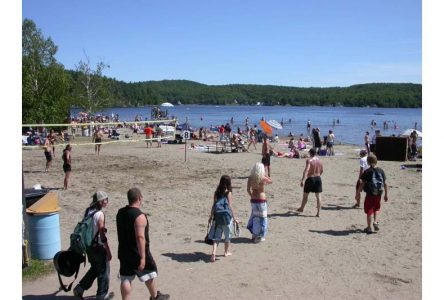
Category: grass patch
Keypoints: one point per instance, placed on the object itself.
(37, 269)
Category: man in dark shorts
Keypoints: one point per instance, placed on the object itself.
(134, 247)
(311, 180)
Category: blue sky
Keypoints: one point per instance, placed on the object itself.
(292, 43)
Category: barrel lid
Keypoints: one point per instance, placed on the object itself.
(46, 205)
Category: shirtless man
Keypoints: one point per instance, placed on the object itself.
(266, 155)
(311, 180)
(97, 139)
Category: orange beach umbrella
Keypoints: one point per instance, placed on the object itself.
(267, 128)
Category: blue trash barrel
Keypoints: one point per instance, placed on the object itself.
(44, 235)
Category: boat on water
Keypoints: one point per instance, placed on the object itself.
(167, 104)
(379, 113)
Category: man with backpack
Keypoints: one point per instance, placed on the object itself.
(96, 247)
(373, 182)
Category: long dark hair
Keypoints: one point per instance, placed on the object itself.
(224, 186)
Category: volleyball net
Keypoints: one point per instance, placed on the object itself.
(81, 134)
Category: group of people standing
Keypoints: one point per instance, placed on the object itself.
(150, 132)
(49, 151)
(329, 141)
(133, 249)
(311, 182)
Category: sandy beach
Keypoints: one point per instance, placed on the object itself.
(303, 257)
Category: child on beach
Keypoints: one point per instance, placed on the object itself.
(222, 215)
(362, 167)
(373, 181)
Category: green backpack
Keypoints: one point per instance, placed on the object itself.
(82, 238)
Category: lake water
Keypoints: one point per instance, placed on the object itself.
(353, 121)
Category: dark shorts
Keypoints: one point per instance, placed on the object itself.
(48, 155)
(372, 204)
(313, 185)
(266, 160)
(98, 141)
(128, 267)
(66, 168)
(329, 144)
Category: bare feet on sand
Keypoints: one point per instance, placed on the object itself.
(228, 254)
(213, 257)
(299, 210)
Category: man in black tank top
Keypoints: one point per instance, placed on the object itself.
(134, 247)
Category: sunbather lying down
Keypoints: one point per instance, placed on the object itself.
(294, 153)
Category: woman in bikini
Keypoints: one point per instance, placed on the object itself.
(48, 153)
(258, 223)
(66, 165)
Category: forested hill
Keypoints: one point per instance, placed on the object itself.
(189, 92)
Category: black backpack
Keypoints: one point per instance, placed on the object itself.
(376, 184)
(67, 263)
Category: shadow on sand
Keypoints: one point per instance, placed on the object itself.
(289, 214)
(336, 207)
(338, 232)
(189, 257)
(55, 296)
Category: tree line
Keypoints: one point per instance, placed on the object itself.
(49, 90)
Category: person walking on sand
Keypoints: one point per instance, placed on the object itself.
(222, 215)
(311, 180)
(373, 182)
(258, 222)
(48, 153)
(97, 139)
(66, 156)
(266, 155)
(330, 143)
(362, 167)
(367, 141)
(252, 136)
(99, 255)
(134, 248)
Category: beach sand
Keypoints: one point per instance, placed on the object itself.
(303, 257)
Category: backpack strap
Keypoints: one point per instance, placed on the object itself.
(68, 288)
(96, 236)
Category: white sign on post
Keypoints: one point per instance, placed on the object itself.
(187, 135)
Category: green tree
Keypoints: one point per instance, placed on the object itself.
(45, 84)
(92, 93)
